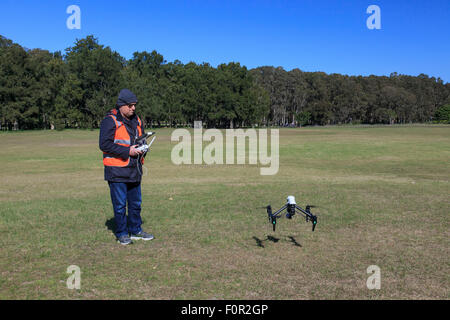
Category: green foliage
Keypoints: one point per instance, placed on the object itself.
(40, 89)
(336, 99)
(384, 115)
(443, 114)
(303, 118)
(97, 72)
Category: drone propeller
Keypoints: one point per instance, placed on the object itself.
(308, 208)
(312, 217)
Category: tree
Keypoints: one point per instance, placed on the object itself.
(145, 75)
(303, 118)
(15, 81)
(97, 70)
(40, 89)
(443, 114)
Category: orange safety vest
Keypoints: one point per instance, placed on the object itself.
(122, 138)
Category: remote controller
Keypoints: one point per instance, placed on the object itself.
(143, 148)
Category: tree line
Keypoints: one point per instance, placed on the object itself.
(42, 90)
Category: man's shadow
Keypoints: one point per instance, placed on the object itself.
(260, 244)
(111, 224)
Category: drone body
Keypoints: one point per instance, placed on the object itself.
(291, 207)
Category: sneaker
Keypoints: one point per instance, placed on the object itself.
(124, 240)
(142, 236)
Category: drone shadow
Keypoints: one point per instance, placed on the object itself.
(294, 242)
(260, 243)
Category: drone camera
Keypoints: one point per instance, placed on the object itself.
(290, 207)
(290, 211)
(291, 200)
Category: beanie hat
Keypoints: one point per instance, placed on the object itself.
(126, 97)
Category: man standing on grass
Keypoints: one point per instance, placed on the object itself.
(123, 166)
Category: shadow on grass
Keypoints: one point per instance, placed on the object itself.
(260, 244)
(294, 242)
(111, 225)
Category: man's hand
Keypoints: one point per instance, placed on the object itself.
(133, 151)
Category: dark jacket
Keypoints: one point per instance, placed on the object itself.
(133, 171)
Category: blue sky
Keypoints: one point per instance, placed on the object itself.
(322, 35)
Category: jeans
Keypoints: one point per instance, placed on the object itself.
(121, 193)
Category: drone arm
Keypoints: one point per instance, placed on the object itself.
(306, 213)
(273, 216)
(309, 216)
(279, 210)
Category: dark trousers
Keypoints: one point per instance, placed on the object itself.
(121, 194)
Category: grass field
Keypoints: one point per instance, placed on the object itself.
(383, 197)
